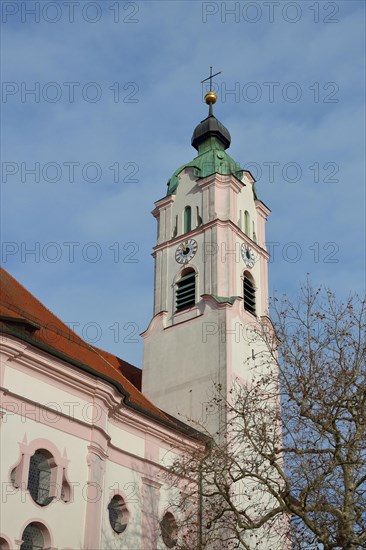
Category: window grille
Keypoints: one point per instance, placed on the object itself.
(39, 478)
(32, 538)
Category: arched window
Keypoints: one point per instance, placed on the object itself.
(187, 219)
(118, 514)
(39, 477)
(198, 217)
(169, 530)
(249, 293)
(33, 537)
(247, 223)
(175, 228)
(4, 544)
(254, 234)
(186, 290)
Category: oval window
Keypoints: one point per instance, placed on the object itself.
(118, 514)
(169, 530)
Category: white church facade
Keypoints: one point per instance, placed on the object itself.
(86, 438)
(84, 454)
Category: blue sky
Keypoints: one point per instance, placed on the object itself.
(296, 70)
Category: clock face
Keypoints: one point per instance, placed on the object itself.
(247, 254)
(185, 251)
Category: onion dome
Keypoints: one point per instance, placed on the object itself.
(210, 126)
(211, 139)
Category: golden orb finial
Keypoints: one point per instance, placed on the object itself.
(211, 98)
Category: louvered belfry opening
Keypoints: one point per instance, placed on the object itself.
(249, 294)
(186, 290)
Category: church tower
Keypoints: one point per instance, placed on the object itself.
(211, 281)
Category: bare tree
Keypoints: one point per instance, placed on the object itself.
(289, 471)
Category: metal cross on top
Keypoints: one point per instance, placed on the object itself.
(210, 78)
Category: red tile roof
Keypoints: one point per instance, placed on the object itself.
(27, 318)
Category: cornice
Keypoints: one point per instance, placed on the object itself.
(219, 304)
(249, 176)
(176, 438)
(159, 318)
(262, 208)
(96, 449)
(151, 482)
(221, 181)
(162, 203)
(204, 227)
(40, 418)
(93, 388)
(39, 362)
(11, 348)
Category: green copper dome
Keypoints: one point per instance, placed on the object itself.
(210, 138)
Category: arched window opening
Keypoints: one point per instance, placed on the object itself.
(33, 537)
(118, 514)
(39, 477)
(186, 290)
(3, 544)
(198, 217)
(187, 219)
(254, 234)
(175, 228)
(169, 530)
(249, 293)
(247, 223)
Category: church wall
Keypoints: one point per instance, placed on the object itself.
(18, 507)
(105, 450)
(45, 392)
(201, 355)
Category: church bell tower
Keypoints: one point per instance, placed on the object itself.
(211, 281)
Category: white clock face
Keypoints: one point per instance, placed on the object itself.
(185, 251)
(247, 254)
